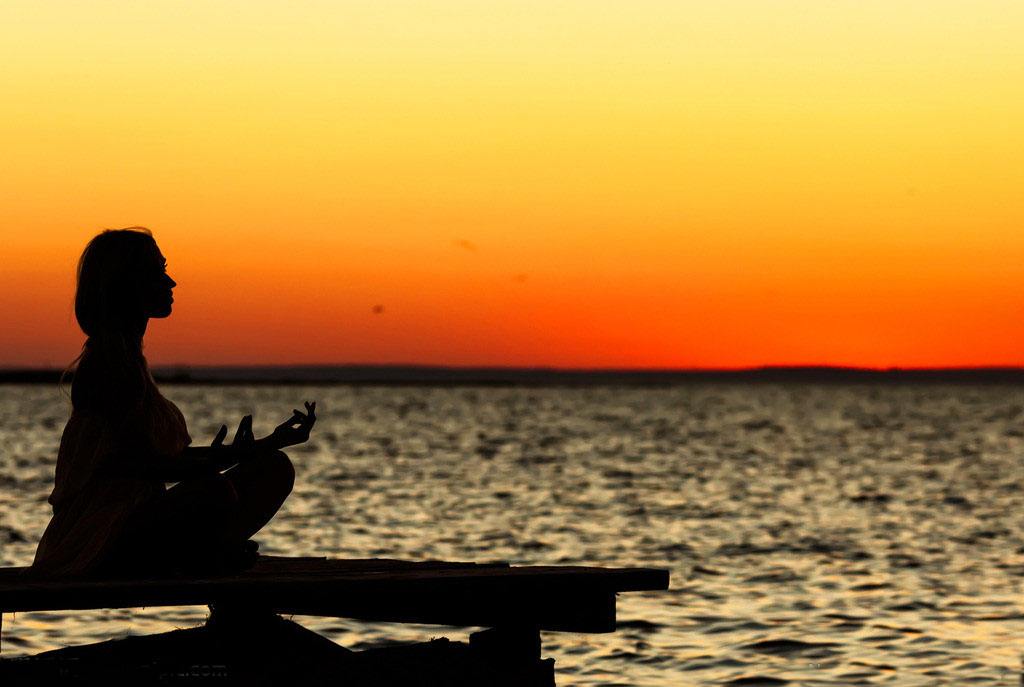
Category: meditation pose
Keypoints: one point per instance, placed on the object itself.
(124, 442)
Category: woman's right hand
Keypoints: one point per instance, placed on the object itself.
(294, 430)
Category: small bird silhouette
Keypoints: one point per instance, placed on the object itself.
(468, 245)
(378, 309)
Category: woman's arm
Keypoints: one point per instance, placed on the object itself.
(200, 461)
(192, 462)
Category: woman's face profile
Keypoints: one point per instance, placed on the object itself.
(157, 296)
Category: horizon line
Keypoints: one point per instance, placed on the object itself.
(184, 367)
(442, 375)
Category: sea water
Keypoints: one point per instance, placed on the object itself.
(815, 534)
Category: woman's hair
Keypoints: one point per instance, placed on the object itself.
(110, 374)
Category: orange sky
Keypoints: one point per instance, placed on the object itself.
(583, 183)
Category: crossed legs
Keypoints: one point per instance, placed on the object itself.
(201, 523)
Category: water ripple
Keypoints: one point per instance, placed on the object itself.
(816, 535)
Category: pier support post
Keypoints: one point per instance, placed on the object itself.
(508, 644)
(516, 650)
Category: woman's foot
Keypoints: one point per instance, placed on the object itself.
(250, 553)
(236, 560)
(222, 561)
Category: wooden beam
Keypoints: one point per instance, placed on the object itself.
(591, 612)
(569, 598)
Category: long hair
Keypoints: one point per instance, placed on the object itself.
(110, 374)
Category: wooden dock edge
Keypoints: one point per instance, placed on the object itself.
(514, 603)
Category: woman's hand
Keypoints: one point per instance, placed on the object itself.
(243, 439)
(219, 439)
(296, 429)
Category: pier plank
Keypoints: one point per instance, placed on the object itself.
(569, 598)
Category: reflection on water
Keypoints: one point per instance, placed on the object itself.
(834, 535)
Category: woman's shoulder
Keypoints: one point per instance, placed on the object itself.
(105, 394)
(88, 432)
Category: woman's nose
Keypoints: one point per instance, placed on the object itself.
(171, 281)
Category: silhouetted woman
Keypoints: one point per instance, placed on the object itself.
(112, 511)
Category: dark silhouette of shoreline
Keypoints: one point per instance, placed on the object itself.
(427, 375)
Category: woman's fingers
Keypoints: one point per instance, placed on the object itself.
(244, 432)
(221, 433)
(299, 420)
(310, 410)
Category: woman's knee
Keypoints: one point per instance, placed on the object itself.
(279, 469)
(191, 508)
(216, 490)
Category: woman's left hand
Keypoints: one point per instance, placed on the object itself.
(219, 439)
(242, 443)
(243, 439)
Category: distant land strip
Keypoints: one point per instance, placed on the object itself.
(425, 375)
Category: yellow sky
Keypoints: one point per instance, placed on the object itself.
(642, 183)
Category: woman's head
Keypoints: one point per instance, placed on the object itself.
(122, 282)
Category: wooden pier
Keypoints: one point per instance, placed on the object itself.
(514, 602)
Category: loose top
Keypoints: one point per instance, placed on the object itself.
(92, 500)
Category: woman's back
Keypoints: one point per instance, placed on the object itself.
(92, 500)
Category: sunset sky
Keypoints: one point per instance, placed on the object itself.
(586, 183)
